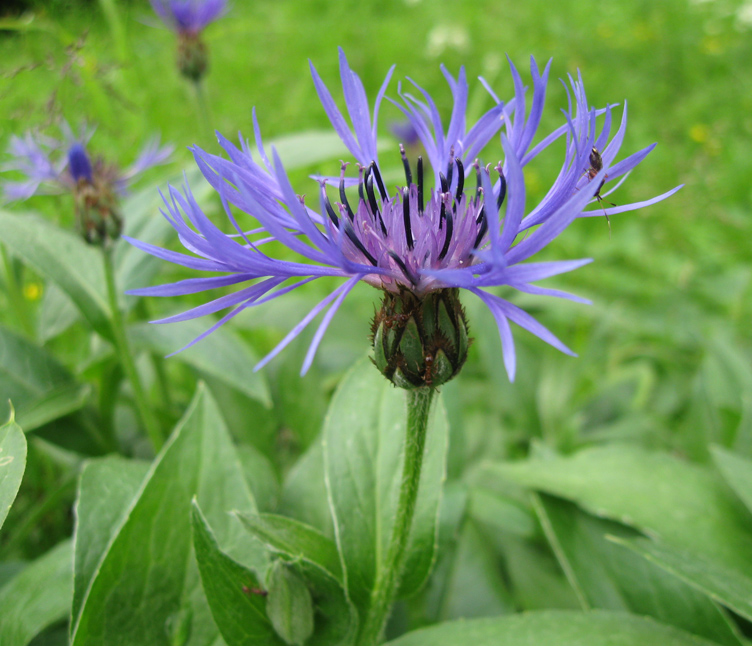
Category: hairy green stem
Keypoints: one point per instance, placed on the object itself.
(15, 295)
(390, 572)
(126, 356)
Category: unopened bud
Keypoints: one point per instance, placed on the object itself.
(193, 58)
(420, 342)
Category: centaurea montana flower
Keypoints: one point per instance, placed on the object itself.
(188, 18)
(64, 166)
(418, 244)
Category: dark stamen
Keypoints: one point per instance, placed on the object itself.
(360, 184)
(350, 233)
(502, 188)
(330, 211)
(343, 196)
(400, 263)
(449, 230)
(406, 164)
(450, 170)
(406, 217)
(444, 183)
(442, 213)
(482, 232)
(372, 198)
(460, 180)
(420, 185)
(481, 220)
(478, 181)
(379, 181)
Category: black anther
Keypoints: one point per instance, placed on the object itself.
(406, 217)
(406, 164)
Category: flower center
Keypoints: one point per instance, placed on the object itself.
(414, 229)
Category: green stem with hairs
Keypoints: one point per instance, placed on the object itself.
(122, 346)
(390, 572)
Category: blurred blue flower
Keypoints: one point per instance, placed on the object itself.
(422, 237)
(53, 166)
(188, 16)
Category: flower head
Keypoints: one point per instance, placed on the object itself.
(53, 166)
(189, 16)
(468, 229)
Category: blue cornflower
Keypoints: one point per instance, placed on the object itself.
(189, 16)
(420, 243)
(64, 166)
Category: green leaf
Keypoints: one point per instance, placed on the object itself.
(295, 540)
(148, 557)
(41, 388)
(63, 258)
(289, 604)
(472, 584)
(315, 555)
(607, 577)
(222, 354)
(260, 476)
(106, 488)
(683, 504)
(727, 586)
(232, 590)
(37, 597)
(12, 465)
(304, 491)
(555, 627)
(364, 435)
(736, 471)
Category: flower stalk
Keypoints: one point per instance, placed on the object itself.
(389, 575)
(122, 347)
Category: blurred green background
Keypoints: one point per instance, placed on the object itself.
(664, 350)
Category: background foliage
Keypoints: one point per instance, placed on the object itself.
(646, 434)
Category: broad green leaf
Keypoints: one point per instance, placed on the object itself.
(554, 627)
(12, 465)
(37, 597)
(727, 586)
(501, 513)
(364, 435)
(737, 471)
(222, 354)
(607, 577)
(106, 488)
(472, 584)
(40, 388)
(295, 540)
(260, 476)
(233, 591)
(63, 258)
(56, 313)
(148, 557)
(683, 504)
(317, 558)
(304, 491)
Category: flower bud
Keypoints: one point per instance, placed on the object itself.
(97, 213)
(420, 341)
(193, 58)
